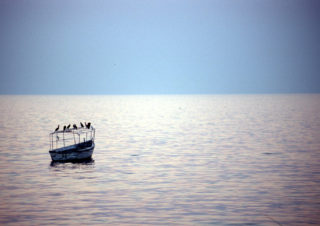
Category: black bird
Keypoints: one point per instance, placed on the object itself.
(68, 126)
(64, 128)
(81, 124)
(75, 126)
(88, 125)
(57, 128)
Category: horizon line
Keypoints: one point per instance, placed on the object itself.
(161, 94)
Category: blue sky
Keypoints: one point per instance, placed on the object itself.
(159, 47)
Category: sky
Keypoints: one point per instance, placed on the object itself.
(159, 46)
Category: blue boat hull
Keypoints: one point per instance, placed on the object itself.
(74, 152)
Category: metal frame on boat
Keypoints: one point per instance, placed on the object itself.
(72, 144)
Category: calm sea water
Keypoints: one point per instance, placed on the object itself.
(185, 160)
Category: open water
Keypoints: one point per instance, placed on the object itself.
(164, 160)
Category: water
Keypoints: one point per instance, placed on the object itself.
(185, 160)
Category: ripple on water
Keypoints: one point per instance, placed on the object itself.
(185, 160)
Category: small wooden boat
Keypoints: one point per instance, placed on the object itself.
(72, 144)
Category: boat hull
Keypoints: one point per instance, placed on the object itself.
(73, 153)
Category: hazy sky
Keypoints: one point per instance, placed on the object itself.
(159, 46)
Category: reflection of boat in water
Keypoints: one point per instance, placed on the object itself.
(89, 162)
(72, 144)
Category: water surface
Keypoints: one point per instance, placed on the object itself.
(185, 160)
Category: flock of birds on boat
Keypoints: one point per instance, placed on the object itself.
(86, 125)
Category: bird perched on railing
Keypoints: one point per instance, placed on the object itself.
(57, 128)
(75, 126)
(88, 125)
(64, 128)
(81, 124)
(68, 126)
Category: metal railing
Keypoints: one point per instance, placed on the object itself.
(69, 135)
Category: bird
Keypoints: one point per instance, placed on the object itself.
(81, 124)
(64, 128)
(88, 125)
(75, 126)
(68, 126)
(57, 128)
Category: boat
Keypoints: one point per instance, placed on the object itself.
(74, 144)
